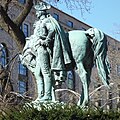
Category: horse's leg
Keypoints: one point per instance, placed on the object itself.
(88, 69)
(85, 86)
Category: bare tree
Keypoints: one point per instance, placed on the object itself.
(83, 5)
(12, 27)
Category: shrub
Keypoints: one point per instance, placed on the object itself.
(57, 111)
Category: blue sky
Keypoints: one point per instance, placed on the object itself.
(104, 15)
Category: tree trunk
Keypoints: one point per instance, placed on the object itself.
(12, 27)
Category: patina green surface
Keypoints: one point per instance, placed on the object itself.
(88, 47)
(50, 52)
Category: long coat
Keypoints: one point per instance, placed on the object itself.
(62, 54)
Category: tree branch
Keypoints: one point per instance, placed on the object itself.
(7, 4)
(11, 28)
(21, 17)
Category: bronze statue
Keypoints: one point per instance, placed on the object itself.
(50, 52)
(43, 52)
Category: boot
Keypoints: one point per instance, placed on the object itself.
(47, 90)
(40, 90)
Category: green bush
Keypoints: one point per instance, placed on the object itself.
(55, 111)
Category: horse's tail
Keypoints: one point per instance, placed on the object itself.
(100, 55)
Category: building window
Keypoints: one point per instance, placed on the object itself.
(22, 1)
(22, 77)
(22, 87)
(25, 29)
(70, 24)
(70, 80)
(3, 55)
(22, 70)
(118, 69)
(56, 16)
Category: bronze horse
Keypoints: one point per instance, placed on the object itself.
(89, 47)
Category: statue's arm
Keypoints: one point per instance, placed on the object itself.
(51, 31)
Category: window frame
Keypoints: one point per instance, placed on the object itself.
(25, 30)
(70, 80)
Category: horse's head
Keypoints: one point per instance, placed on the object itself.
(95, 35)
(90, 32)
(99, 41)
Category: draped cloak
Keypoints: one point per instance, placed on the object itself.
(61, 53)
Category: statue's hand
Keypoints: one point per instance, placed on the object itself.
(44, 43)
(31, 37)
(27, 38)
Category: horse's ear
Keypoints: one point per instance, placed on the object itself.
(90, 31)
(90, 34)
(100, 36)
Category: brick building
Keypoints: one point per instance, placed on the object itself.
(22, 79)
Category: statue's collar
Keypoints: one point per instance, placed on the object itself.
(43, 17)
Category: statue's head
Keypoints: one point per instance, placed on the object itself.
(41, 8)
